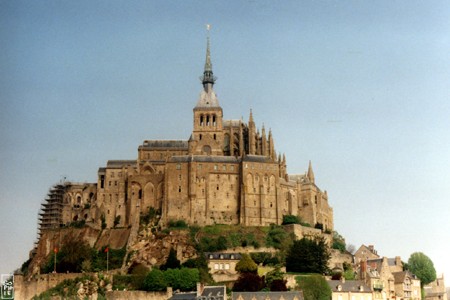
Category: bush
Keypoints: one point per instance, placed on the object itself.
(183, 279)
(177, 224)
(290, 219)
(246, 265)
(314, 287)
(276, 237)
(155, 281)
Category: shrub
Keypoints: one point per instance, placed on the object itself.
(291, 219)
(155, 281)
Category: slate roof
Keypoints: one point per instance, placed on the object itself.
(231, 123)
(354, 286)
(120, 163)
(225, 256)
(209, 293)
(204, 158)
(257, 158)
(297, 295)
(208, 100)
(165, 144)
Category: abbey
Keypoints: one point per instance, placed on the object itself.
(227, 172)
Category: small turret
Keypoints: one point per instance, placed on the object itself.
(310, 173)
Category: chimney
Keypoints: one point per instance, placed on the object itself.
(363, 270)
(398, 261)
(200, 288)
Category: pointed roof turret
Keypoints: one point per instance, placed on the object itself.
(250, 120)
(310, 173)
(208, 77)
(208, 98)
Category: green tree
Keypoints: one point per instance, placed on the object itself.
(248, 282)
(183, 279)
(274, 280)
(70, 257)
(246, 265)
(155, 281)
(201, 264)
(338, 242)
(172, 261)
(308, 256)
(422, 266)
(314, 287)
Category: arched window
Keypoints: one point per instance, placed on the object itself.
(207, 120)
(201, 120)
(214, 120)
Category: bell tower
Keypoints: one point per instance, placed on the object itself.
(207, 135)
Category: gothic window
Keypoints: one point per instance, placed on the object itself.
(201, 120)
(207, 120)
(214, 120)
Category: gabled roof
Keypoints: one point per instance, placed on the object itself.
(297, 295)
(354, 286)
(208, 293)
(225, 256)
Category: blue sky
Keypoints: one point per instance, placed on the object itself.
(360, 88)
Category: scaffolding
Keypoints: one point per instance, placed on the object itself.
(50, 213)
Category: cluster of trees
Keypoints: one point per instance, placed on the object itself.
(308, 256)
(183, 279)
(77, 256)
(250, 281)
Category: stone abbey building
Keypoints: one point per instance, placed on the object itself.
(227, 172)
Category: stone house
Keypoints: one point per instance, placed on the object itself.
(407, 286)
(436, 290)
(203, 293)
(350, 290)
(377, 275)
(365, 253)
(222, 266)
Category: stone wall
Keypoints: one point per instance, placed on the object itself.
(26, 289)
(303, 231)
(138, 295)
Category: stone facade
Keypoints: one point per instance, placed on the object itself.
(227, 172)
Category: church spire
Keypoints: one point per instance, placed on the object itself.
(208, 78)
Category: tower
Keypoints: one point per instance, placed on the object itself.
(207, 135)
